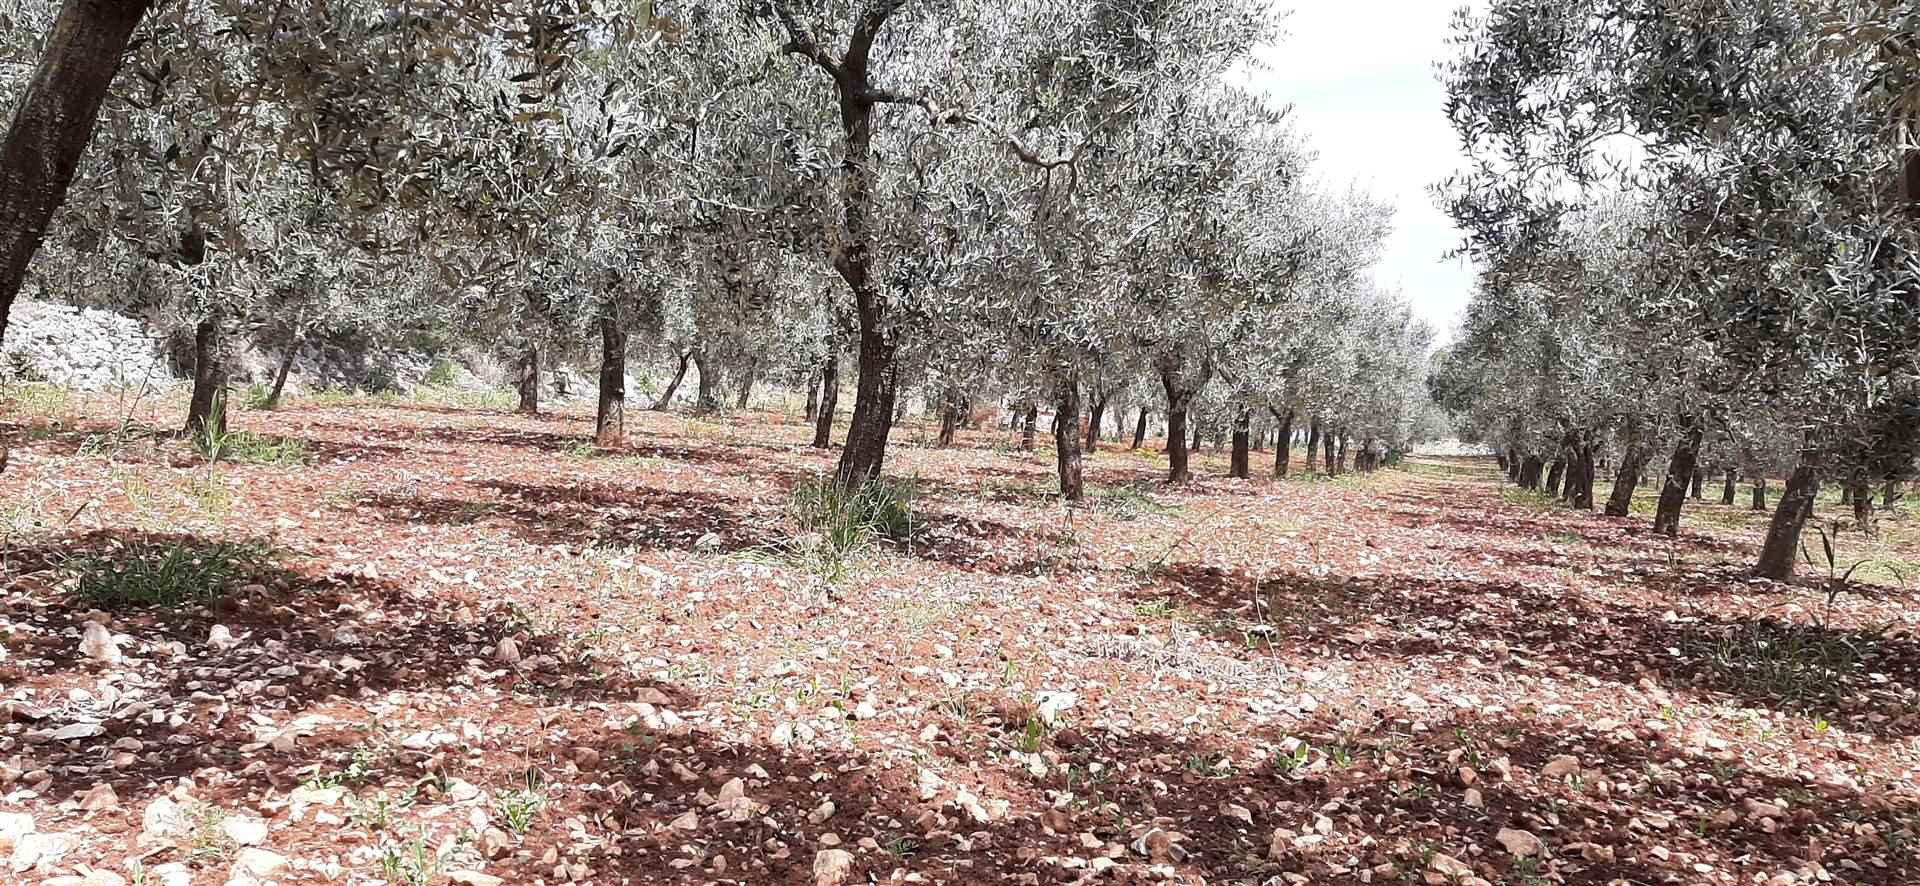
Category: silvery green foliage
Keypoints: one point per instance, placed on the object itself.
(1058, 190)
(1763, 143)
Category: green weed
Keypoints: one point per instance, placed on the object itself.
(168, 574)
(1801, 667)
(837, 525)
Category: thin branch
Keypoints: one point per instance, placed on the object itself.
(801, 42)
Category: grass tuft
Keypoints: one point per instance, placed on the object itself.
(1799, 667)
(168, 574)
(836, 525)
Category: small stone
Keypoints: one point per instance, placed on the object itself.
(1279, 843)
(170, 874)
(473, 878)
(38, 851)
(1048, 706)
(100, 798)
(244, 830)
(220, 639)
(1472, 799)
(13, 826)
(832, 867)
(1448, 866)
(1521, 844)
(494, 843)
(507, 651)
(163, 822)
(96, 643)
(255, 862)
(1560, 767)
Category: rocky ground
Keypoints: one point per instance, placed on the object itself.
(451, 646)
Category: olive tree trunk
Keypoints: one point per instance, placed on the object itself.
(285, 369)
(1241, 466)
(1680, 472)
(1282, 442)
(949, 417)
(1066, 436)
(673, 385)
(610, 413)
(1096, 413)
(1313, 441)
(829, 400)
(527, 380)
(53, 120)
(707, 397)
(1789, 519)
(206, 408)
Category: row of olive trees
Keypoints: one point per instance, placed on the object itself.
(1697, 237)
(1050, 199)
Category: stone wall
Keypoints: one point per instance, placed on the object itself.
(89, 350)
(81, 348)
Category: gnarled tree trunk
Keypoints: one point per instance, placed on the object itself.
(1180, 391)
(873, 401)
(1096, 413)
(1029, 425)
(1680, 472)
(1789, 519)
(1727, 491)
(207, 407)
(52, 123)
(746, 384)
(829, 400)
(1759, 493)
(526, 379)
(707, 400)
(949, 417)
(610, 413)
(1066, 435)
(285, 369)
(1863, 508)
(1313, 441)
(1140, 430)
(673, 386)
(1633, 460)
(1241, 466)
(1283, 442)
(1579, 480)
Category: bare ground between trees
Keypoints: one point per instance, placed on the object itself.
(1351, 680)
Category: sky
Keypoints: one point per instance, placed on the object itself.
(1360, 76)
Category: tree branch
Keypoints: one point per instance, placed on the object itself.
(865, 31)
(801, 42)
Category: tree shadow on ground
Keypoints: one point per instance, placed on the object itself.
(1865, 679)
(617, 779)
(1101, 791)
(185, 703)
(622, 515)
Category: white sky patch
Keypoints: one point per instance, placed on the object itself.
(1360, 75)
